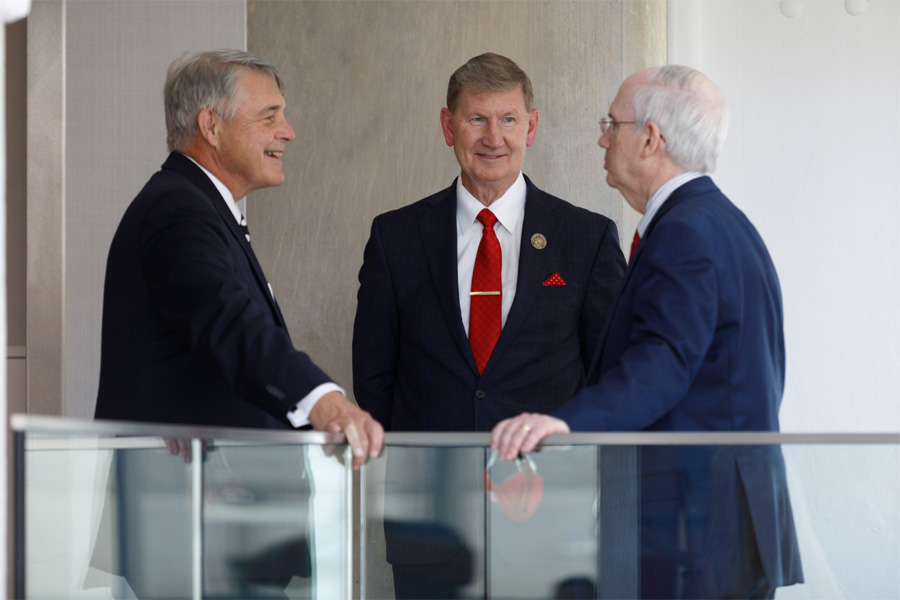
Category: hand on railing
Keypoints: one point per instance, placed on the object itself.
(182, 448)
(335, 414)
(521, 434)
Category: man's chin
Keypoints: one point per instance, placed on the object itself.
(610, 181)
(275, 180)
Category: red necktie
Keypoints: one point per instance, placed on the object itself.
(486, 295)
(634, 244)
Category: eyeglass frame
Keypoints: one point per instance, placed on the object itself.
(608, 122)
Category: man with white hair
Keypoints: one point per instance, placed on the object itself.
(695, 343)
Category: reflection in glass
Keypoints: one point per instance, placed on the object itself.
(116, 517)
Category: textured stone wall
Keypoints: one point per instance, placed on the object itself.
(365, 82)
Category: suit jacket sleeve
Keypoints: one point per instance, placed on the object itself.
(673, 319)
(201, 284)
(375, 333)
(603, 289)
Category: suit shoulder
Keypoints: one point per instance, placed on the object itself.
(167, 198)
(710, 209)
(169, 185)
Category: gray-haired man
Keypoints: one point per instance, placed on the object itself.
(192, 333)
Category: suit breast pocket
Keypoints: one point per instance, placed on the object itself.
(557, 306)
(557, 292)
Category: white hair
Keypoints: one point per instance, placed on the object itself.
(689, 112)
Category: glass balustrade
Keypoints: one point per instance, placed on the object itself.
(109, 511)
(104, 510)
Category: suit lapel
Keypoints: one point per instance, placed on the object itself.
(534, 265)
(437, 225)
(188, 169)
(689, 189)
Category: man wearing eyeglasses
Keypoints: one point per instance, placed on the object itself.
(695, 343)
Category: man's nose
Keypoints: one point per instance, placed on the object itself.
(287, 132)
(603, 142)
(493, 137)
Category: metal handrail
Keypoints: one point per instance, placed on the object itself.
(122, 434)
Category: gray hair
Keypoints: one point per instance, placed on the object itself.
(205, 80)
(488, 72)
(690, 113)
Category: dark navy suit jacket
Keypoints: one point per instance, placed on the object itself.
(413, 369)
(191, 333)
(695, 343)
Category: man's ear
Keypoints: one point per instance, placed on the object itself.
(532, 127)
(447, 125)
(208, 126)
(653, 140)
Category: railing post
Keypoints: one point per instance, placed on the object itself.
(19, 503)
(486, 504)
(197, 518)
(348, 497)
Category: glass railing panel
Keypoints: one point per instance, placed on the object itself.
(275, 522)
(249, 515)
(269, 514)
(424, 515)
(84, 497)
(814, 517)
(542, 526)
(846, 505)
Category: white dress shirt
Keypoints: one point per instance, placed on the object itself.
(510, 211)
(300, 415)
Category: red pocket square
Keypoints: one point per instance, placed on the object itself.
(554, 279)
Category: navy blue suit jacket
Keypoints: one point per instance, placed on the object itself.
(413, 369)
(695, 343)
(191, 333)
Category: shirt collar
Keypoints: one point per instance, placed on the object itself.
(661, 195)
(508, 208)
(223, 190)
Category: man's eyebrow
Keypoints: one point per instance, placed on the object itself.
(271, 109)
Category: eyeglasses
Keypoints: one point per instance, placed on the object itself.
(607, 122)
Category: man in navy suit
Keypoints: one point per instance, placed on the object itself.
(416, 363)
(192, 333)
(695, 343)
(413, 365)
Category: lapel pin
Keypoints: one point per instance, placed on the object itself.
(539, 241)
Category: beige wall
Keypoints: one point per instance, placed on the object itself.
(15, 182)
(365, 82)
(117, 54)
(95, 134)
(46, 197)
(15, 46)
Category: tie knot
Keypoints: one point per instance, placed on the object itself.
(487, 218)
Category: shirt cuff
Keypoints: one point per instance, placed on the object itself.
(300, 415)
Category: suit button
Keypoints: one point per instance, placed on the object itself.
(480, 394)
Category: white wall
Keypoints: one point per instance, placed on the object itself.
(813, 158)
